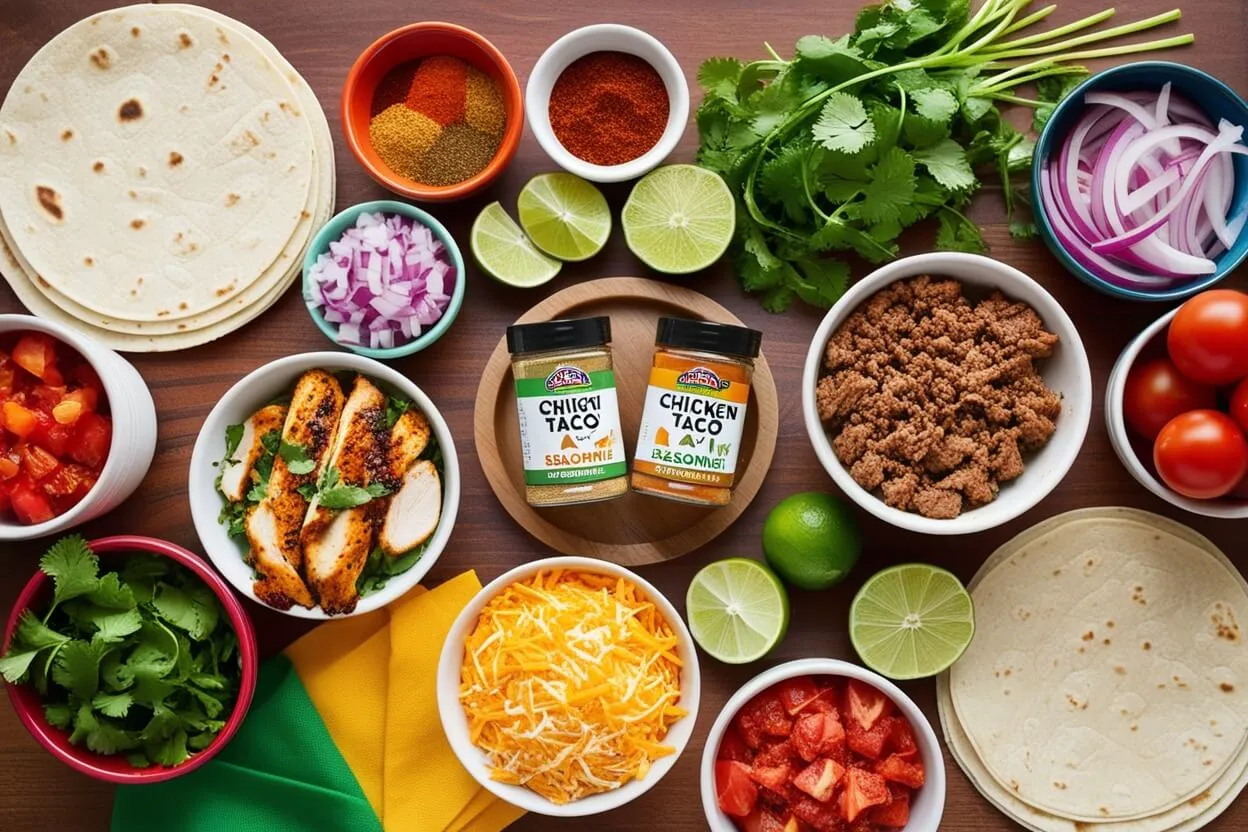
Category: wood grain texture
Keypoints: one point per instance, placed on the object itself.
(322, 38)
(633, 530)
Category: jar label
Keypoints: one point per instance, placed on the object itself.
(692, 425)
(570, 427)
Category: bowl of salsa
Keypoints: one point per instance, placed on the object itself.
(77, 428)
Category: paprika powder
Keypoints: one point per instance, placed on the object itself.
(608, 108)
(695, 411)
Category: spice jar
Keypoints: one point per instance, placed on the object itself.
(695, 411)
(569, 416)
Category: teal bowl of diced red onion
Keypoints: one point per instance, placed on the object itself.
(1140, 181)
(383, 279)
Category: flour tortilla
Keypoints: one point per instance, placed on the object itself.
(1060, 740)
(277, 278)
(133, 143)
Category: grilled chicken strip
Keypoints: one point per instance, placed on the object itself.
(414, 510)
(336, 543)
(408, 439)
(274, 526)
(236, 471)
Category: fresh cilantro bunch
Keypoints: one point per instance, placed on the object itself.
(849, 142)
(142, 662)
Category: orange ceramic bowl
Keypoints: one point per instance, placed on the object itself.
(409, 43)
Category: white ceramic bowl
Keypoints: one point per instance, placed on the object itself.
(455, 723)
(605, 37)
(929, 802)
(1129, 447)
(134, 430)
(1066, 372)
(253, 391)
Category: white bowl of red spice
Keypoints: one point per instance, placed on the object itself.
(607, 102)
(1021, 390)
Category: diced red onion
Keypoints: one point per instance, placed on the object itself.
(385, 281)
(1141, 190)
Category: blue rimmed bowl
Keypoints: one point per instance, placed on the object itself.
(334, 229)
(1205, 91)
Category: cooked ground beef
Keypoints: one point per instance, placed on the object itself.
(933, 400)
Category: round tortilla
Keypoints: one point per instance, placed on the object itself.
(151, 167)
(276, 279)
(1108, 680)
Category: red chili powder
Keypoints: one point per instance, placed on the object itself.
(439, 88)
(608, 107)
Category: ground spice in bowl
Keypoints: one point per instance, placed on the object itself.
(438, 121)
(608, 108)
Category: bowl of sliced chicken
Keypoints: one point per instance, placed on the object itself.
(324, 485)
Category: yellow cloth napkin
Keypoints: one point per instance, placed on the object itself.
(373, 681)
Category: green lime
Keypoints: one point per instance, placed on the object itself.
(505, 254)
(564, 215)
(737, 609)
(811, 539)
(679, 218)
(911, 621)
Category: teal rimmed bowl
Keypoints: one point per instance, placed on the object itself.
(334, 229)
(1205, 91)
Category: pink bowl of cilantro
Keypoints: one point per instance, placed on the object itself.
(383, 279)
(128, 658)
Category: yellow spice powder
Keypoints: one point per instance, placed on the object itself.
(483, 104)
(401, 137)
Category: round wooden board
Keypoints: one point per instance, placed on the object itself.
(635, 529)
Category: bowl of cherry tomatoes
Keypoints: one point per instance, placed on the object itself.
(1177, 405)
(77, 428)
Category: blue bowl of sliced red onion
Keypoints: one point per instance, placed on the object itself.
(383, 279)
(1140, 181)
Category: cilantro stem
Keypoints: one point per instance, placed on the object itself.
(1093, 37)
(994, 84)
(1034, 17)
(1069, 28)
(774, 54)
(1104, 52)
(1012, 99)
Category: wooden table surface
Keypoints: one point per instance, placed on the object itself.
(322, 38)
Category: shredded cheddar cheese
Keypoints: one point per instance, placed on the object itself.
(570, 682)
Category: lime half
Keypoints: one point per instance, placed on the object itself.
(679, 218)
(911, 621)
(737, 610)
(564, 215)
(505, 253)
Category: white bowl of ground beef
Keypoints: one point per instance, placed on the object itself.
(947, 409)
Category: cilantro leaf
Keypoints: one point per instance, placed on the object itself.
(15, 666)
(58, 715)
(1020, 230)
(350, 496)
(112, 704)
(890, 188)
(115, 626)
(170, 751)
(843, 124)
(784, 178)
(395, 407)
(233, 438)
(193, 609)
(73, 568)
(718, 78)
(935, 104)
(947, 163)
(957, 233)
(296, 456)
(32, 633)
(832, 61)
(111, 594)
(77, 667)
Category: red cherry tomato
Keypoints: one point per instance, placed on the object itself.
(1208, 338)
(1201, 454)
(1239, 405)
(1156, 392)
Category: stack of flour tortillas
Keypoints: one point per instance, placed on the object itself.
(162, 170)
(1106, 689)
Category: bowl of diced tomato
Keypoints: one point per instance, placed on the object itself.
(822, 745)
(77, 428)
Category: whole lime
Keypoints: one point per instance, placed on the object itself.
(811, 540)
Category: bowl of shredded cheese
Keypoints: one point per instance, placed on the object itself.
(568, 686)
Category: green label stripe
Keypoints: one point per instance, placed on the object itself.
(567, 476)
(527, 388)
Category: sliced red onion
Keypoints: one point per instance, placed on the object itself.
(385, 281)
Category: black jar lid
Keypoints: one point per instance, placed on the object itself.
(708, 336)
(559, 335)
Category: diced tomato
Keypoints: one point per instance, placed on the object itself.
(92, 436)
(825, 702)
(863, 789)
(819, 778)
(84, 375)
(8, 372)
(18, 420)
(773, 777)
(761, 820)
(35, 353)
(28, 504)
(896, 812)
(88, 397)
(821, 816)
(733, 747)
(817, 734)
(38, 462)
(734, 789)
(865, 704)
(776, 753)
(45, 396)
(10, 464)
(748, 728)
(901, 738)
(796, 694)
(51, 435)
(772, 717)
(72, 480)
(869, 742)
(900, 770)
(778, 800)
